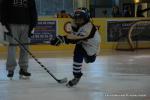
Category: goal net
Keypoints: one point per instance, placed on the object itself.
(134, 35)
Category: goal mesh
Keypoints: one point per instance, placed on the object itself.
(137, 36)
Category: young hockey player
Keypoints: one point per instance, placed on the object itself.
(87, 39)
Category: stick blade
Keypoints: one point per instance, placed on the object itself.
(61, 81)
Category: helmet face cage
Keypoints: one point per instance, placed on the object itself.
(81, 14)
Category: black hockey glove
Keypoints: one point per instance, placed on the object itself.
(75, 29)
(58, 40)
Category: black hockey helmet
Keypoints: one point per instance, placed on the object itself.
(82, 13)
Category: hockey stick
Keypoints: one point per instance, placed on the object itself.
(43, 43)
(64, 80)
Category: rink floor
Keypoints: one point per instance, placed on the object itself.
(114, 76)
